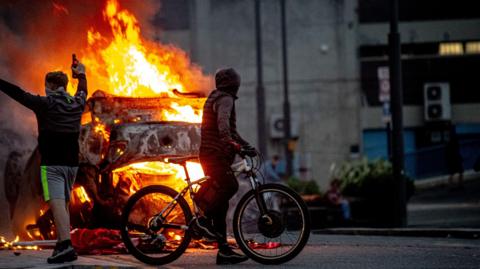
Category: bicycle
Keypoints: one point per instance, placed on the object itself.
(157, 222)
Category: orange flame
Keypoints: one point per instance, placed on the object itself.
(80, 193)
(183, 113)
(101, 129)
(13, 244)
(127, 65)
(173, 174)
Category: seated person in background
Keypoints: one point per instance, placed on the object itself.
(335, 197)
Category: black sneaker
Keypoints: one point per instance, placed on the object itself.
(63, 252)
(206, 227)
(228, 256)
(58, 247)
(61, 245)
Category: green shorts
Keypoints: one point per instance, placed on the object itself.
(57, 181)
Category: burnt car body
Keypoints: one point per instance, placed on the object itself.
(116, 132)
(137, 127)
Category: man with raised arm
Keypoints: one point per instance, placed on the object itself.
(58, 117)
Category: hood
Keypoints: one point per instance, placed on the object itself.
(227, 80)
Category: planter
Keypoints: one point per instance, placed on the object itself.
(323, 214)
(372, 203)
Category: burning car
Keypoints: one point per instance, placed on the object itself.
(124, 142)
(123, 145)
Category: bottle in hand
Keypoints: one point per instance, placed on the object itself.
(74, 64)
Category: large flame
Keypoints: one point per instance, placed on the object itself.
(124, 64)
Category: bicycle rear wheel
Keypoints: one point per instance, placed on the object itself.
(149, 236)
(278, 236)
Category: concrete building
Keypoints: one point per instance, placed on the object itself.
(334, 50)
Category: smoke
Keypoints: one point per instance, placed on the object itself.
(40, 36)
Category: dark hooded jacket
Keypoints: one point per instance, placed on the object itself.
(58, 117)
(219, 125)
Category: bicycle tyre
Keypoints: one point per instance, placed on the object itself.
(124, 229)
(240, 209)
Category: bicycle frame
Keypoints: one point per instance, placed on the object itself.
(243, 168)
(168, 209)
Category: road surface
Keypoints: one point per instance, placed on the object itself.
(323, 251)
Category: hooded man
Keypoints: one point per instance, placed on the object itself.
(219, 143)
(58, 117)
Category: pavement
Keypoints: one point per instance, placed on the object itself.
(322, 251)
(443, 207)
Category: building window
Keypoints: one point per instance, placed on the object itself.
(451, 48)
(472, 47)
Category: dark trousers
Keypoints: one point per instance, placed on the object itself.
(222, 176)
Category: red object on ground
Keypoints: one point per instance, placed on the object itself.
(268, 245)
(97, 241)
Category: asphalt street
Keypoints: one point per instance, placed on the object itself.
(322, 251)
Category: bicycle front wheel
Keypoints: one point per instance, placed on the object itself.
(154, 225)
(277, 236)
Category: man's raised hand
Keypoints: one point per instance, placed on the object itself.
(79, 69)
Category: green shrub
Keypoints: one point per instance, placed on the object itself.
(367, 178)
(303, 187)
